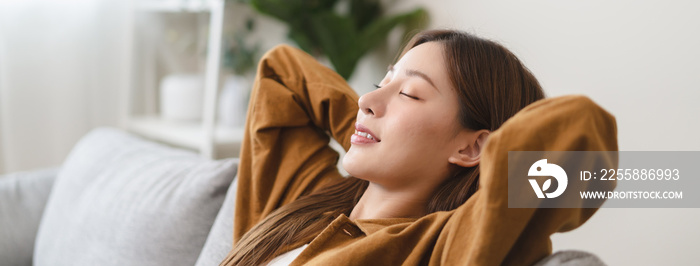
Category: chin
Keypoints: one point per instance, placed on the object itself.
(353, 166)
(349, 165)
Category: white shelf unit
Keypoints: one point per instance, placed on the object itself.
(204, 136)
(186, 135)
(176, 5)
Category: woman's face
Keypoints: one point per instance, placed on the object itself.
(411, 122)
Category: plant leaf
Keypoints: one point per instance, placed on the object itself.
(363, 12)
(345, 38)
(302, 39)
(292, 11)
(378, 30)
(337, 37)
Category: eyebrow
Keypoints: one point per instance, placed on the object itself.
(415, 73)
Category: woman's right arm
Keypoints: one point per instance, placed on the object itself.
(294, 104)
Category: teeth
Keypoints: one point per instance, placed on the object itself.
(364, 134)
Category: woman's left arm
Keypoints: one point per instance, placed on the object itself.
(484, 230)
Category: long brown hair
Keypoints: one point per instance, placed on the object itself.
(491, 84)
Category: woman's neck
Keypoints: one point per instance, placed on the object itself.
(378, 202)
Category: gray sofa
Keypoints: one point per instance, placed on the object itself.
(121, 200)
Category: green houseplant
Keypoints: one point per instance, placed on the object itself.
(344, 37)
(238, 56)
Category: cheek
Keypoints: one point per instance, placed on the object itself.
(413, 141)
(431, 129)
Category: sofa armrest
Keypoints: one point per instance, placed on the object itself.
(571, 258)
(23, 197)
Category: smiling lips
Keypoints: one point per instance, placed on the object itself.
(363, 135)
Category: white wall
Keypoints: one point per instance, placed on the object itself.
(62, 69)
(637, 59)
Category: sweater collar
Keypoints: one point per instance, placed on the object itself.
(369, 226)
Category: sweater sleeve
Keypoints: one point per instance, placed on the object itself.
(484, 230)
(295, 104)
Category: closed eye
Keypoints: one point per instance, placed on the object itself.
(400, 93)
(409, 96)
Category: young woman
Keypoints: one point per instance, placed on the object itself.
(426, 188)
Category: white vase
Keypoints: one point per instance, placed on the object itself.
(233, 101)
(181, 97)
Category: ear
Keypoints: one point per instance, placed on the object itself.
(469, 149)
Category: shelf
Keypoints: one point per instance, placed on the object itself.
(183, 134)
(205, 137)
(177, 5)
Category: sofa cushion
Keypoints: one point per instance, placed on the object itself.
(23, 197)
(220, 238)
(121, 200)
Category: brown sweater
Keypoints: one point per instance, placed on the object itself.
(285, 155)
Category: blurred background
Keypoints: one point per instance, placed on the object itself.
(151, 67)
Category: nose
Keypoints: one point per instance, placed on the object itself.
(372, 103)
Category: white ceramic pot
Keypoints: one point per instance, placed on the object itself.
(181, 97)
(233, 101)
